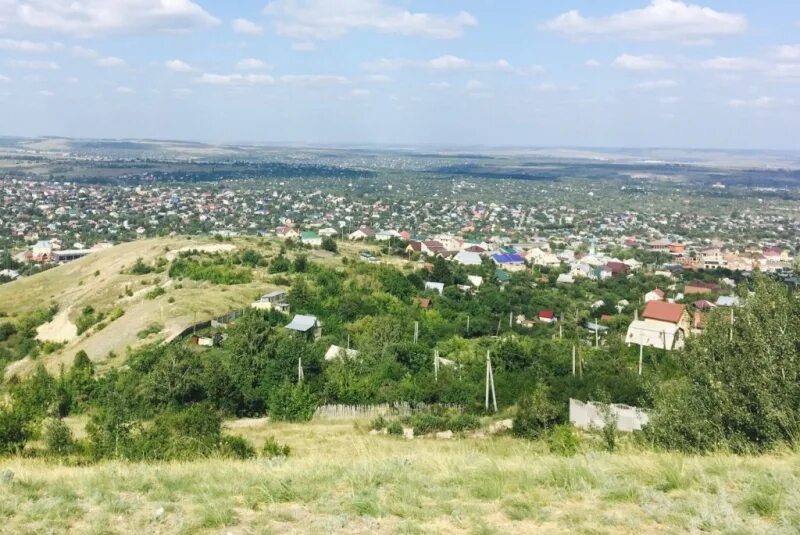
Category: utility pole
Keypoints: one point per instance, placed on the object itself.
(730, 336)
(436, 365)
(596, 334)
(573, 360)
(490, 383)
(510, 315)
(499, 320)
(467, 324)
(416, 331)
(300, 375)
(560, 331)
(641, 352)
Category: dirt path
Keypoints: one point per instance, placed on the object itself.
(60, 329)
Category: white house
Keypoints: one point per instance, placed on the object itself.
(467, 258)
(437, 286)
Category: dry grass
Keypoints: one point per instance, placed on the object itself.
(339, 479)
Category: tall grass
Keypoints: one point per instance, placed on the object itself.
(340, 479)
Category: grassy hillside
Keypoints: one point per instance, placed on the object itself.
(340, 479)
(103, 281)
(100, 281)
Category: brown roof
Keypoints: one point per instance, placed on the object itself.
(662, 311)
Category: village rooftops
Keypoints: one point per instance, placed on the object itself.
(302, 323)
(662, 311)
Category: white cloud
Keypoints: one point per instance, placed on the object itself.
(319, 20)
(252, 64)
(641, 63)
(378, 78)
(89, 18)
(46, 93)
(786, 71)
(124, 90)
(661, 20)
(440, 85)
(110, 61)
(247, 27)
(178, 65)
(99, 59)
(235, 79)
(35, 65)
(725, 63)
(181, 92)
(760, 102)
(474, 85)
(313, 79)
(304, 46)
(788, 52)
(447, 63)
(656, 84)
(592, 63)
(4, 78)
(552, 87)
(360, 93)
(668, 100)
(15, 45)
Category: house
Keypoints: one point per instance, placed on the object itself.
(728, 301)
(310, 238)
(665, 326)
(502, 276)
(547, 316)
(677, 249)
(467, 258)
(660, 245)
(565, 278)
(286, 233)
(523, 322)
(703, 304)
(654, 295)
(509, 261)
(42, 251)
(432, 247)
(386, 235)
(336, 352)
(424, 303)
(272, 301)
(616, 268)
(9, 274)
(328, 232)
(475, 280)
(309, 326)
(362, 233)
(436, 286)
(68, 255)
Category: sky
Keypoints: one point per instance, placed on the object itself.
(580, 73)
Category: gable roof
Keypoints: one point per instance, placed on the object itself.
(662, 311)
(302, 323)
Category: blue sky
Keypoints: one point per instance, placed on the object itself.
(632, 73)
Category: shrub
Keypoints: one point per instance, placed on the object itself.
(535, 414)
(328, 244)
(272, 449)
(562, 440)
(58, 437)
(140, 268)
(378, 423)
(395, 428)
(153, 328)
(13, 431)
(292, 403)
(236, 448)
(155, 293)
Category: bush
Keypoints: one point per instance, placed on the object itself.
(140, 268)
(395, 428)
(292, 403)
(562, 440)
(236, 448)
(156, 292)
(272, 449)
(58, 437)
(279, 264)
(378, 423)
(13, 431)
(328, 244)
(535, 414)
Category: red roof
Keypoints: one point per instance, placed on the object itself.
(617, 267)
(662, 311)
(547, 314)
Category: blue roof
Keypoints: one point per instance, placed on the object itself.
(508, 259)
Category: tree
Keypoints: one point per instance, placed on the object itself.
(739, 392)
